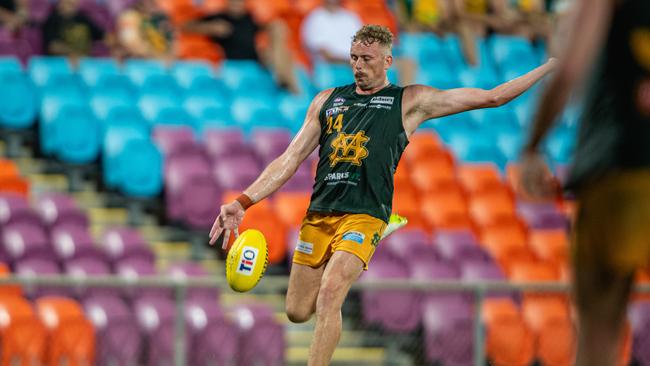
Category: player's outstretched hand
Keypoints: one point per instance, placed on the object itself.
(229, 219)
(536, 180)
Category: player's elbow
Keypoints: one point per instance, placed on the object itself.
(492, 100)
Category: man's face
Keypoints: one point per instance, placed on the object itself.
(68, 7)
(370, 63)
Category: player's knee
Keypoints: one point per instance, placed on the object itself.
(327, 299)
(297, 313)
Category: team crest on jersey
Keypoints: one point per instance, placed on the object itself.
(338, 101)
(349, 148)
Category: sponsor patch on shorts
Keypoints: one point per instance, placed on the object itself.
(305, 247)
(354, 236)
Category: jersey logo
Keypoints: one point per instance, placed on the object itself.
(349, 148)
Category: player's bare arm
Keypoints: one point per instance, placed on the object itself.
(276, 174)
(585, 39)
(421, 103)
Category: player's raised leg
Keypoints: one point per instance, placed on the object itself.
(304, 283)
(342, 270)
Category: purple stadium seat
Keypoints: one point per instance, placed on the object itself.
(34, 37)
(122, 243)
(14, 209)
(190, 269)
(134, 269)
(155, 317)
(72, 242)
(40, 267)
(395, 310)
(22, 241)
(292, 241)
(447, 324)
(269, 144)
(170, 138)
(236, 173)
(98, 13)
(59, 209)
(542, 216)
(459, 245)
(212, 335)
(16, 47)
(39, 10)
(479, 271)
(224, 142)
(261, 337)
(118, 336)
(407, 245)
(639, 315)
(89, 267)
(192, 194)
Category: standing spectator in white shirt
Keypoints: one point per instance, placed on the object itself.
(327, 31)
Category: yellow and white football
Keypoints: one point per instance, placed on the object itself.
(247, 261)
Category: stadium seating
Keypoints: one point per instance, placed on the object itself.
(24, 338)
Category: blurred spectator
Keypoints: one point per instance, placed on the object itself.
(69, 32)
(13, 14)
(327, 31)
(145, 31)
(235, 30)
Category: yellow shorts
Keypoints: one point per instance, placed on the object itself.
(323, 234)
(613, 223)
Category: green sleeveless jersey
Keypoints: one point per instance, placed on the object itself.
(362, 140)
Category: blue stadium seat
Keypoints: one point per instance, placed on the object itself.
(244, 107)
(393, 75)
(116, 136)
(173, 116)
(561, 144)
(141, 167)
(495, 119)
(438, 74)
(213, 118)
(19, 106)
(265, 119)
(510, 143)
(162, 85)
(151, 105)
(461, 123)
(92, 69)
(10, 64)
(421, 47)
(118, 86)
(241, 75)
(452, 50)
(476, 147)
(294, 110)
(331, 75)
(196, 105)
(139, 70)
(42, 68)
(512, 53)
(305, 83)
(206, 86)
(478, 77)
(65, 85)
(124, 115)
(103, 104)
(76, 135)
(186, 72)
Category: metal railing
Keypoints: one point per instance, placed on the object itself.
(278, 283)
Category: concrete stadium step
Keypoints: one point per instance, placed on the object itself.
(41, 183)
(302, 338)
(107, 216)
(343, 356)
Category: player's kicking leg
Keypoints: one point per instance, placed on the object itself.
(342, 270)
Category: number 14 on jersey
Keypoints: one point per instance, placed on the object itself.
(334, 124)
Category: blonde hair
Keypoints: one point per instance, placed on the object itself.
(372, 33)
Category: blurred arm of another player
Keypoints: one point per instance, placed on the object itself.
(275, 175)
(421, 102)
(585, 39)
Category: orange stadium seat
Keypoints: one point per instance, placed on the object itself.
(402, 177)
(16, 184)
(642, 277)
(71, 336)
(492, 207)
(8, 290)
(506, 243)
(446, 209)
(261, 217)
(406, 203)
(22, 333)
(437, 169)
(509, 341)
(550, 244)
(291, 207)
(197, 47)
(555, 333)
(479, 177)
(8, 169)
(421, 146)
